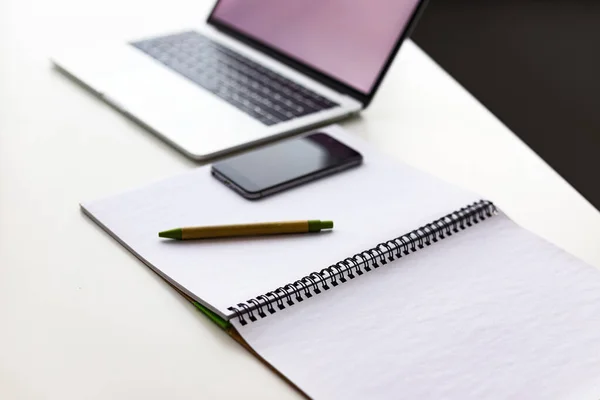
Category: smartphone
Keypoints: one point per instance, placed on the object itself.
(284, 165)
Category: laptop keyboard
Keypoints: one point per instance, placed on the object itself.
(252, 88)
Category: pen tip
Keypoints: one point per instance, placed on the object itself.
(326, 224)
(171, 234)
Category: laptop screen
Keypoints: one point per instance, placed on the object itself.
(348, 40)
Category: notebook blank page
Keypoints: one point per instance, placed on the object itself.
(369, 204)
(491, 313)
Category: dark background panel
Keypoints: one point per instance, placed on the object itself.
(536, 66)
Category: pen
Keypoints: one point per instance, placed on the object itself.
(258, 229)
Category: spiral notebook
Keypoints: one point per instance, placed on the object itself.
(423, 290)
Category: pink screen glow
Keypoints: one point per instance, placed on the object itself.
(349, 40)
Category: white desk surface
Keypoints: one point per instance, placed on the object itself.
(80, 316)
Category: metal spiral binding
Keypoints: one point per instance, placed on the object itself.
(362, 262)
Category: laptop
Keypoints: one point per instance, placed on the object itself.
(256, 71)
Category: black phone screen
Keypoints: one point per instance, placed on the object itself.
(287, 161)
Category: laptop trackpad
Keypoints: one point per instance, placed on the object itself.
(176, 108)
